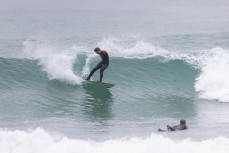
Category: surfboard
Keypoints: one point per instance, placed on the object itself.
(99, 84)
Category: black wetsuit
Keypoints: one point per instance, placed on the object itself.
(177, 127)
(102, 65)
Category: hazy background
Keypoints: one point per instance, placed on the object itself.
(221, 5)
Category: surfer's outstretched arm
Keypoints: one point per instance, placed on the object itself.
(170, 128)
(160, 130)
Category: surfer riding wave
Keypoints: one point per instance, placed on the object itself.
(102, 65)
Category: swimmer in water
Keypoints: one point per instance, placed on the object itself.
(182, 126)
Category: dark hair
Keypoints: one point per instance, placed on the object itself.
(97, 49)
(182, 122)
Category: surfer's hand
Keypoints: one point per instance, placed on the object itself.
(168, 127)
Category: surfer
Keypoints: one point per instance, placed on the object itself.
(182, 126)
(102, 65)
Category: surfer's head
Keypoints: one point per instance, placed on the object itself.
(182, 122)
(97, 50)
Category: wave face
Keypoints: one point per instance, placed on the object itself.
(138, 60)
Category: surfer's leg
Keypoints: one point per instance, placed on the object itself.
(98, 66)
(104, 66)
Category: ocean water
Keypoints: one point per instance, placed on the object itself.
(168, 59)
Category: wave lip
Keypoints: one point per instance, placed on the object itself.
(57, 63)
(40, 141)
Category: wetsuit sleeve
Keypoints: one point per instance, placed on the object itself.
(170, 128)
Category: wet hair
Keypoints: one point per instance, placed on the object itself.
(182, 122)
(97, 49)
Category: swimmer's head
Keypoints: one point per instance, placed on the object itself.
(182, 122)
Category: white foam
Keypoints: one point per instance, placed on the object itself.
(86, 69)
(130, 49)
(40, 141)
(139, 49)
(56, 62)
(213, 82)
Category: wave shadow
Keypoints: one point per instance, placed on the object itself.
(97, 103)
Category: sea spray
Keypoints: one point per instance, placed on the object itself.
(57, 63)
(137, 49)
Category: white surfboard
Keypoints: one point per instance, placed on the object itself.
(99, 84)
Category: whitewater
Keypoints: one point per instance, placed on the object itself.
(39, 141)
